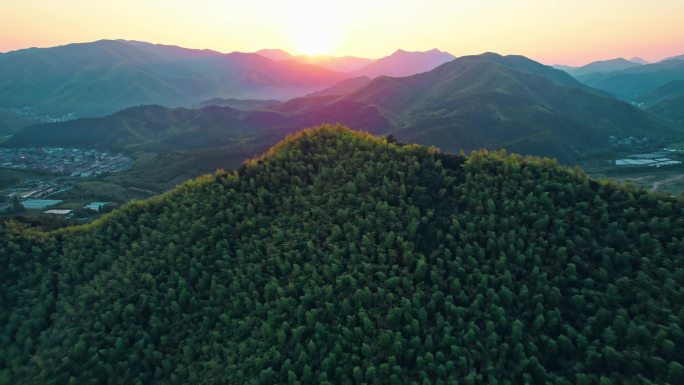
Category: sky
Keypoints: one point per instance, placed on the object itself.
(571, 32)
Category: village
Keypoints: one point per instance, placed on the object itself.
(65, 161)
(53, 170)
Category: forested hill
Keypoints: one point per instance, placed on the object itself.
(341, 258)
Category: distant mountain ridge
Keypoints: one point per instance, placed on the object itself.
(631, 84)
(108, 75)
(105, 76)
(336, 63)
(399, 63)
(239, 104)
(405, 63)
(601, 66)
(639, 60)
(678, 57)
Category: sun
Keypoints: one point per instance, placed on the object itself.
(312, 27)
(314, 41)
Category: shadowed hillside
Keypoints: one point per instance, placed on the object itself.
(666, 101)
(170, 145)
(11, 122)
(162, 129)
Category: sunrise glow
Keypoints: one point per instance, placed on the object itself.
(311, 27)
(569, 32)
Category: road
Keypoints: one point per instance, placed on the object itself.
(658, 183)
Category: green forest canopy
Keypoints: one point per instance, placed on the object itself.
(342, 258)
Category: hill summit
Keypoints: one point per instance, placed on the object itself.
(343, 258)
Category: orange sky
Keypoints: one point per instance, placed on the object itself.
(552, 31)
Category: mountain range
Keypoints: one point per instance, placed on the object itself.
(109, 75)
(102, 77)
(486, 100)
(600, 66)
(656, 87)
